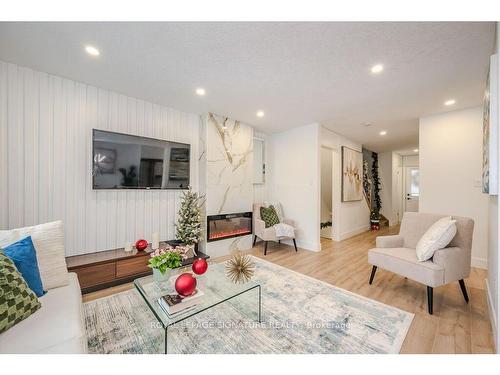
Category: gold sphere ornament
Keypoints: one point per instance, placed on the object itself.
(240, 268)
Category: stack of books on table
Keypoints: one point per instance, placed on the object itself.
(174, 304)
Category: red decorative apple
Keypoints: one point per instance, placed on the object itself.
(199, 266)
(141, 245)
(185, 284)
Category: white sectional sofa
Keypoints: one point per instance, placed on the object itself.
(58, 326)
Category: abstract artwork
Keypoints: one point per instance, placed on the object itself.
(490, 130)
(352, 175)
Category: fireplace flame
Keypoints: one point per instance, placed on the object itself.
(229, 233)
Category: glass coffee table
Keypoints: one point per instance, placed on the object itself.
(217, 289)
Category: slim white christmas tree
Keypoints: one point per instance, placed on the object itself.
(189, 226)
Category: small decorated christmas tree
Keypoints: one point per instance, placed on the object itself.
(188, 226)
(376, 184)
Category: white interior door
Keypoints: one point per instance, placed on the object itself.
(412, 188)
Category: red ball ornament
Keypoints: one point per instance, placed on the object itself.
(199, 266)
(141, 245)
(185, 284)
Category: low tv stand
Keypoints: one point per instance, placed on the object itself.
(109, 268)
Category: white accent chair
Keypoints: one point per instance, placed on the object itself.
(397, 254)
(267, 234)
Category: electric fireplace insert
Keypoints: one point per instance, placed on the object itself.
(220, 227)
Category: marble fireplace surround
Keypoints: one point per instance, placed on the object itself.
(226, 175)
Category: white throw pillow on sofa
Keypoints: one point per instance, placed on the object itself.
(48, 240)
(438, 236)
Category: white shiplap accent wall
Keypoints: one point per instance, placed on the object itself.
(45, 160)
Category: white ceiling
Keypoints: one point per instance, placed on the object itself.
(298, 73)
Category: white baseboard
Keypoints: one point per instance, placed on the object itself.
(312, 246)
(352, 233)
(493, 316)
(479, 263)
(305, 245)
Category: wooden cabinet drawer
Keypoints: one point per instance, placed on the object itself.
(132, 266)
(94, 275)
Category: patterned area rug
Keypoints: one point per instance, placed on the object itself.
(299, 315)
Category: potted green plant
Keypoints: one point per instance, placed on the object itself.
(163, 260)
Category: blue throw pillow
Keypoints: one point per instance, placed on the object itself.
(23, 254)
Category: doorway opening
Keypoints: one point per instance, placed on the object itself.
(326, 207)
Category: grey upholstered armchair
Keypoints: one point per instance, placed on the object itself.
(267, 234)
(397, 254)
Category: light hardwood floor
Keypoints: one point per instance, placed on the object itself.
(455, 327)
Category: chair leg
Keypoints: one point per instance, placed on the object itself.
(265, 247)
(430, 298)
(254, 240)
(295, 244)
(464, 291)
(372, 276)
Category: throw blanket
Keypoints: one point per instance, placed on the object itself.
(284, 230)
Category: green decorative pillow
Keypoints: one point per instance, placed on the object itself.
(17, 300)
(269, 215)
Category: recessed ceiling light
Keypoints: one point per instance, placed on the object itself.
(260, 113)
(367, 124)
(415, 150)
(376, 69)
(91, 50)
(450, 102)
(383, 132)
(200, 91)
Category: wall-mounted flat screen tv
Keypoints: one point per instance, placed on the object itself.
(124, 161)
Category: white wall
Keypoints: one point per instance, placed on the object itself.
(45, 160)
(450, 172)
(294, 156)
(493, 281)
(350, 218)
